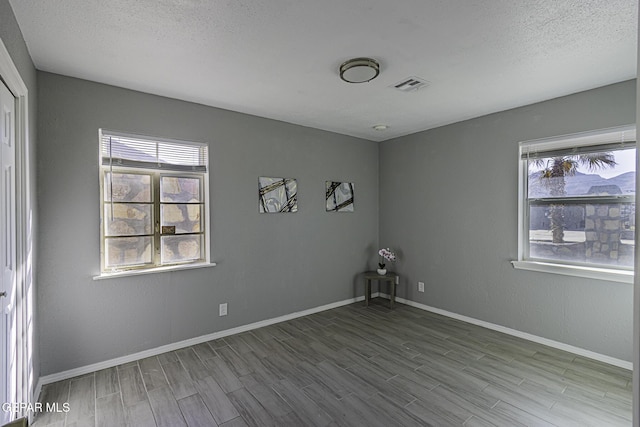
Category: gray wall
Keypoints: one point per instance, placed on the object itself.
(268, 264)
(448, 204)
(12, 38)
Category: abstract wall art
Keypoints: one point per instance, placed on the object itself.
(277, 195)
(339, 196)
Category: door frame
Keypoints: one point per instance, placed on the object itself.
(25, 289)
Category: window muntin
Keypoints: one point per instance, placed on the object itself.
(154, 202)
(578, 199)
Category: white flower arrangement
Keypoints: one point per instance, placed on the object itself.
(387, 255)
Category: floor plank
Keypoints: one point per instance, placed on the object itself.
(179, 380)
(166, 410)
(219, 369)
(195, 412)
(107, 382)
(216, 400)
(109, 411)
(305, 408)
(268, 398)
(152, 373)
(82, 400)
(192, 363)
(251, 410)
(131, 385)
(56, 393)
(139, 415)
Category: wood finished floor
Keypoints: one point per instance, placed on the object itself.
(352, 366)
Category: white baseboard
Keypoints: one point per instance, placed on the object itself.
(524, 335)
(60, 376)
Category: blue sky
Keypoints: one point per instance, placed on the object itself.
(626, 162)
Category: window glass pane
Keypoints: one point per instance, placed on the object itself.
(590, 174)
(127, 187)
(185, 218)
(128, 251)
(595, 233)
(128, 219)
(181, 248)
(180, 189)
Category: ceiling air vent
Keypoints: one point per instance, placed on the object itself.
(411, 84)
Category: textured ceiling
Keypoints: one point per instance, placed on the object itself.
(279, 59)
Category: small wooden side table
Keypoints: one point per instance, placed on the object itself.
(390, 277)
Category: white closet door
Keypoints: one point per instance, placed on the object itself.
(8, 321)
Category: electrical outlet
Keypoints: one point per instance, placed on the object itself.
(420, 286)
(223, 309)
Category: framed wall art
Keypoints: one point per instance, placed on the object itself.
(277, 195)
(339, 196)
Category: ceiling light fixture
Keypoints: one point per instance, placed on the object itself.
(359, 70)
(380, 127)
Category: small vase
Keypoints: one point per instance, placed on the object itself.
(382, 271)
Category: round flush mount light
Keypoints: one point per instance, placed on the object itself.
(359, 70)
(380, 127)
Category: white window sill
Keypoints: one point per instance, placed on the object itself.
(610, 274)
(154, 270)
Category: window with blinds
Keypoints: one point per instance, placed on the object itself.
(153, 202)
(578, 199)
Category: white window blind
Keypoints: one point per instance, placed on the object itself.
(119, 149)
(614, 139)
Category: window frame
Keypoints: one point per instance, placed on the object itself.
(156, 175)
(623, 274)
